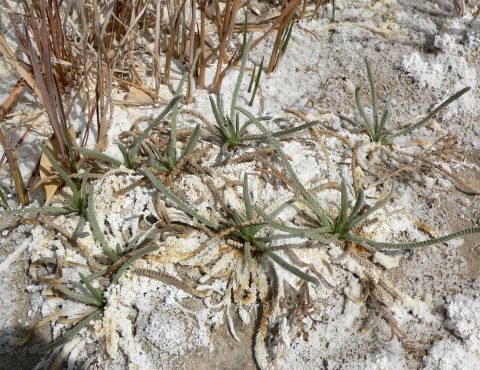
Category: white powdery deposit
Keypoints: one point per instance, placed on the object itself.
(462, 350)
(146, 324)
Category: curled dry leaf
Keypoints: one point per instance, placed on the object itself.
(47, 170)
(136, 95)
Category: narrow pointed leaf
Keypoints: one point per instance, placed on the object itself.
(101, 156)
(96, 228)
(92, 290)
(155, 123)
(192, 143)
(71, 334)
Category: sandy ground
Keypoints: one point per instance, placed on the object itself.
(422, 50)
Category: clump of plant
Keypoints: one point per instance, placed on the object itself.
(167, 163)
(242, 226)
(147, 149)
(228, 129)
(132, 158)
(346, 227)
(120, 260)
(443, 148)
(76, 204)
(96, 299)
(376, 129)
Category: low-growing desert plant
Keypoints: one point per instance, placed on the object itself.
(121, 259)
(131, 159)
(242, 228)
(376, 129)
(245, 227)
(441, 149)
(167, 163)
(137, 250)
(164, 163)
(78, 202)
(71, 333)
(229, 131)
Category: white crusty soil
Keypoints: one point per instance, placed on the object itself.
(426, 53)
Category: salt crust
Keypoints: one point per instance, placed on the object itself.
(165, 331)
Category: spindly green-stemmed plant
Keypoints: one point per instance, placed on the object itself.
(376, 129)
(338, 228)
(76, 204)
(109, 252)
(229, 131)
(97, 299)
(131, 159)
(346, 225)
(167, 163)
(163, 163)
(72, 333)
(244, 227)
(122, 259)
